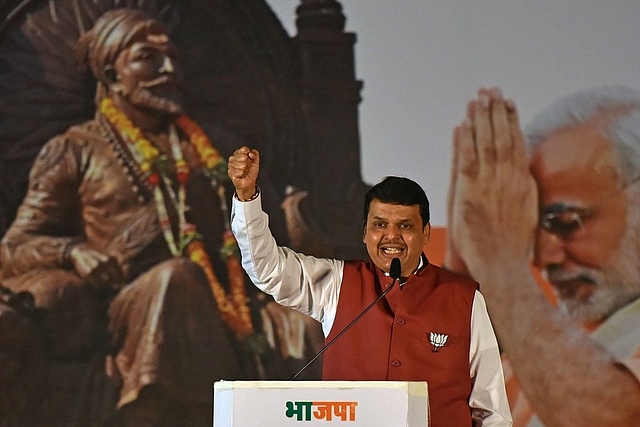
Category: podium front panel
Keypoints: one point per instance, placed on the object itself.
(320, 403)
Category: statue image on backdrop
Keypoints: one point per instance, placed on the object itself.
(123, 242)
(572, 206)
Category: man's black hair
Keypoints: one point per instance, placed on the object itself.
(398, 191)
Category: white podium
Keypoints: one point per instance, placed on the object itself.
(320, 403)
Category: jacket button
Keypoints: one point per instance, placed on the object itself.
(400, 322)
(395, 363)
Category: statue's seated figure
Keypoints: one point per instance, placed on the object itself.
(122, 241)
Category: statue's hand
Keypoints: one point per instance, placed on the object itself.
(290, 332)
(99, 270)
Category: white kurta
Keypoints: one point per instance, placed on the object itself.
(312, 286)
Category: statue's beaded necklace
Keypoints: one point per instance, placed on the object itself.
(156, 169)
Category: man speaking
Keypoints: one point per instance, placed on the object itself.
(432, 326)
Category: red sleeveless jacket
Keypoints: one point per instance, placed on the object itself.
(393, 340)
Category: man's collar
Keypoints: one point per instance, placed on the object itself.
(422, 263)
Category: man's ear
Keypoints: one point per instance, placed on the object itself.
(364, 232)
(113, 79)
(426, 232)
(111, 74)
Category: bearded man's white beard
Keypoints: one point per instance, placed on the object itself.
(616, 284)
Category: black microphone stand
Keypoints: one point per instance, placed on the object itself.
(395, 273)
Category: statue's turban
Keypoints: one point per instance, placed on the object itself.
(113, 32)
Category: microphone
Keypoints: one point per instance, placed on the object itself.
(394, 271)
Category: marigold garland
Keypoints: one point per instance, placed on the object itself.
(233, 307)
